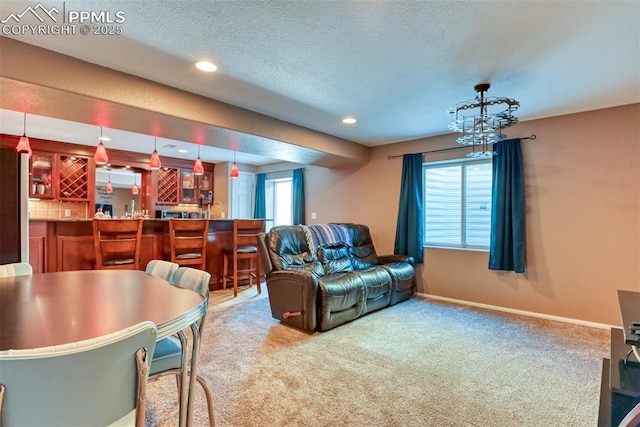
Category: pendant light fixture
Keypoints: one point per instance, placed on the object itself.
(135, 189)
(155, 163)
(23, 145)
(101, 157)
(234, 167)
(109, 187)
(198, 169)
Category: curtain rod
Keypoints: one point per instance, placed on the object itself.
(283, 170)
(532, 137)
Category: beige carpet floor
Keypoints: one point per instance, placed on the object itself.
(418, 363)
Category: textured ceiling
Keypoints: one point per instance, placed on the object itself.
(395, 65)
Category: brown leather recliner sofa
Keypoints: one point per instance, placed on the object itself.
(321, 276)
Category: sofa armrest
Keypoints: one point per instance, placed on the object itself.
(292, 296)
(388, 259)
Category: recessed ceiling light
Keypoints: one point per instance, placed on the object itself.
(182, 150)
(104, 138)
(349, 120)
(207, 66)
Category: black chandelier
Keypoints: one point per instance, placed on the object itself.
(481, 120)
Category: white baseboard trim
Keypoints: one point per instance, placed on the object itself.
(515, 311)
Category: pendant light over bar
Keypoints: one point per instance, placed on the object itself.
(109, 187)
(234, 168)
(198, 169)
(101, 157)
(155, 163)
(23, 145)
(135, 189)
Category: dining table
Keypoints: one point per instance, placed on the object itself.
(49, 309)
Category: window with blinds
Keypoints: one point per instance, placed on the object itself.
(458, 203)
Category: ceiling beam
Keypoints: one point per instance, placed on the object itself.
(39, 81)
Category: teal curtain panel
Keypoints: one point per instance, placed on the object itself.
(507, 244)
(297, 204)
(260, 208)
(410, 225)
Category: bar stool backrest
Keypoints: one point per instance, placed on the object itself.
(188, 239)
(244, 247)
(117, 243)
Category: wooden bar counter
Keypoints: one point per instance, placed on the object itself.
(67, 245)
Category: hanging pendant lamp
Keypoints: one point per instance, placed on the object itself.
(155, 163)
(23, 145)
(109, 187)
(101, 157)
(198, 168)
(135, 189)
(234, 173)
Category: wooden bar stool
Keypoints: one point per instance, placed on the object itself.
(117, 243)
(243, 248)
(188, 239)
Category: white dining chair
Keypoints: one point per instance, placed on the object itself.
(162, 269)
(16, 269)
(100, 381)
(169, 355)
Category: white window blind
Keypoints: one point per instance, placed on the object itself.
(458, 203)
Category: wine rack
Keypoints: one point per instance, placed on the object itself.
(168, 186)
(74, 178)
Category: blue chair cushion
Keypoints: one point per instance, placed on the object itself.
(166, 355)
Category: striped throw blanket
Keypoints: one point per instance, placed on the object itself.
(320, 235)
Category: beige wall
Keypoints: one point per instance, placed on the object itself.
(220, 190)
(583, 216)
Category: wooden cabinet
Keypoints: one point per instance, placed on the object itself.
(37, 246)
(182, 186)
(73, 178)
(205, 184)
(187, 186)
(168, 186)
(193, 186)
(62, 177)
(42, 175)
(150, 248)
